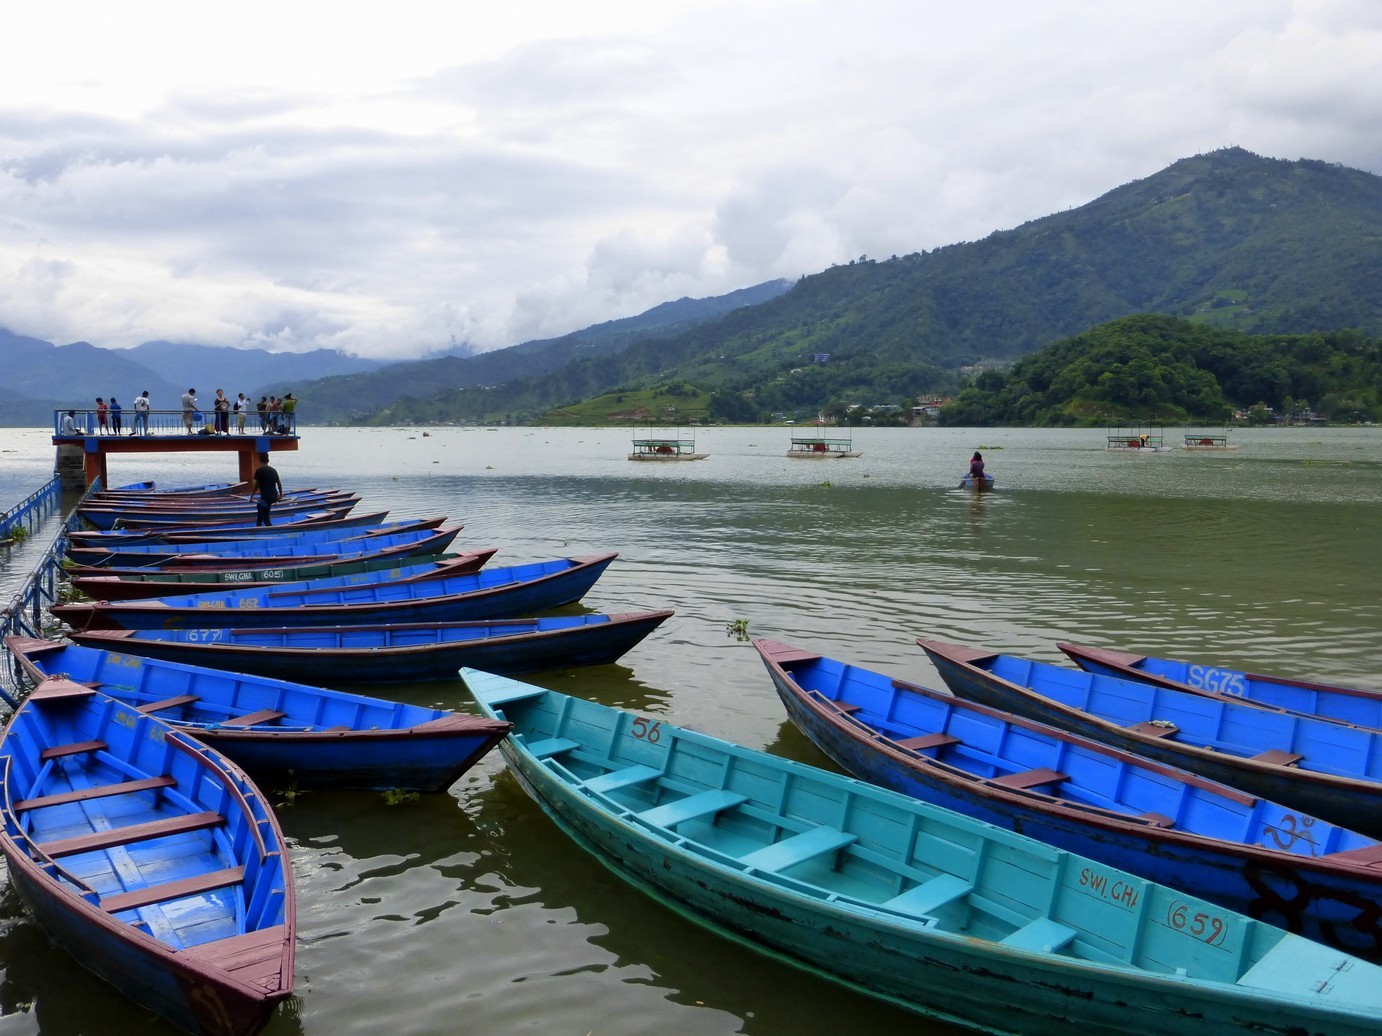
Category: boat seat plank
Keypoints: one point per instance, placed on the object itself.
(96, 791)
(1151, 728)
(701, 804)
(930, 895)
(1041, 936)
(251, 719)
(797, 849)
(847, 707)
(1026, 779)
(621, 778)
(168, 703)
(132, 833)
(923, 742)
(551, 746)
(167, 890)
(1278, 757)
(76, 748)
(1156, 819)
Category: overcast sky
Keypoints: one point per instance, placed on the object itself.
(387, 178)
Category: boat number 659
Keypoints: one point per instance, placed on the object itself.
(1206, 927)
(646, 729)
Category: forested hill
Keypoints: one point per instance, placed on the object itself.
(1228, 239)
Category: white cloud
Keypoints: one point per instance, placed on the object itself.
(310, 174)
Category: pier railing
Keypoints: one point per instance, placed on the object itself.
(31, 510)
(23, 616)
(78, 424)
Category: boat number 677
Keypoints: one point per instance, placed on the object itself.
(646, 729)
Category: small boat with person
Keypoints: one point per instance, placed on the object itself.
(1164, 823)
(149, 857)
(665, 448)
(1325, 769)
(279, 731)
(901, 900)
(1125, 440)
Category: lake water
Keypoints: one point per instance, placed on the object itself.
(471, 912)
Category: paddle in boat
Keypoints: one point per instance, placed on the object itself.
(1356, 706)
(492, 593)
(383, 653)
(917, 905)
(280, 731)
(149, 857)
(1257, 857)
(1324, 769)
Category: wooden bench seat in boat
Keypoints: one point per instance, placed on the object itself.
(167, 890)
(96, 791)
(1041, 936)
(251, 719)
(701, 804)
(621, 778)
(76, 748)
(926, 743)
(168, 703)
(1153, 728)
(132, 833)
(797, 849)
(551, 746)
(930, 895)
(1278, 757)
(1026, 779)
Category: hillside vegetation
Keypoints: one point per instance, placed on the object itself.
(1227, 240)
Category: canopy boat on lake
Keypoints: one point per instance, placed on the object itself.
(1208, 441)
(916, 905)
(1164, 823)
(492, 593)
(279, 731)
(819, 447)
(149, 857)
(388, 653)
(662, 447)
(1326, 769)
(1355, 706)
(1134, 440)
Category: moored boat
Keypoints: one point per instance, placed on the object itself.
(277, 730)
(492, 593)
(1353, 705)
(1167, 824)
(1325, 769)
(120, 518)
(817, 447)
(920, 906)
(381, 653)
(314, 521)
(149, 858)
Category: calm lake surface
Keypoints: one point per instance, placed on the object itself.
(471, 912)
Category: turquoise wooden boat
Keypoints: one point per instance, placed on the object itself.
(1353, 705)
(1325, 769)
(148, 857)
(920, 906)
(1257, 857)
(280, 731)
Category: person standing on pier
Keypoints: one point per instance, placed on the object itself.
(102, 411)
(141, 414)
(221, 405)
(269, 487)
(189, 407)
(240, 406)
(115, 411)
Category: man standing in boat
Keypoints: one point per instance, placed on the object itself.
(269, 487)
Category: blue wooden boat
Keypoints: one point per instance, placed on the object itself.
(1324, 769)
(380, 653)
(117, 519)
(333, 519)
(144, 489)
(492, 593)
(149, 857)
(920, 906)
(141, 584)
(280, 732)
(317, 542)
(1353, 705)
(1256, 857)
(969, 482)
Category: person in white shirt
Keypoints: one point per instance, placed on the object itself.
(141, 414)
(69, 423)
(240, 406)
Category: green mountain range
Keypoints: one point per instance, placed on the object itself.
(1227, 240)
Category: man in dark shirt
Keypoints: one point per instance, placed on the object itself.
(269, 487)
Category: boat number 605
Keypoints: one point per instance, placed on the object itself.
(646, 729)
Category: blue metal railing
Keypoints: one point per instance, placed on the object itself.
(32, 509)
(77, 424)
(23, 616)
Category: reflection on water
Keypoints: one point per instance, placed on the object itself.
(472, 911)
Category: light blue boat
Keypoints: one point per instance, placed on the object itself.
(1353, 705)
(917, 905)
